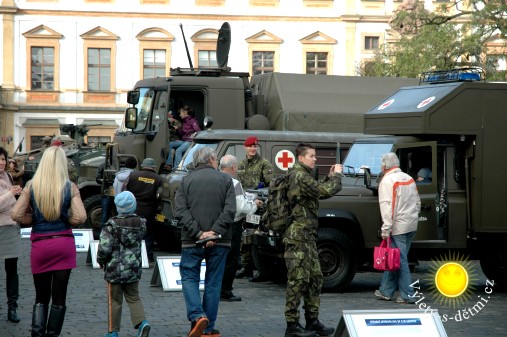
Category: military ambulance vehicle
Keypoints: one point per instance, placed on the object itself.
(452, 124)
(277, 146)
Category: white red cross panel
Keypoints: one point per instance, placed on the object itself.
(284, 159)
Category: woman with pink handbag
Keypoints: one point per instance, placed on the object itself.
(399, 207)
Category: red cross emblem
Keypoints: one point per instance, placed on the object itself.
(386, 104)
(284, 159)
(425, 102)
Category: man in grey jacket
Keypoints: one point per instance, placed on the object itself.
(205, 207)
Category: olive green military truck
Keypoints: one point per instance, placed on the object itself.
(234, 101)
(452, 125)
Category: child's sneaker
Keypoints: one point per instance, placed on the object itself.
(111, 334)
(212, 333)
(144, 329)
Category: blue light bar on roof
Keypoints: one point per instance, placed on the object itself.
(468, 74)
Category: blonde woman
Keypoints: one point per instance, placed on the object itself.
(51, 204)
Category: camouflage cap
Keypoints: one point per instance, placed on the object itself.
(149, 162)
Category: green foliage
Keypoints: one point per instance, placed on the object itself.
(452, 35)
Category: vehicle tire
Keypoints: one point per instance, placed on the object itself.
(93, 207)
(493, 260)
(337, 259)
(271, 266)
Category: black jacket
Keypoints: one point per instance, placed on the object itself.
(205, 201)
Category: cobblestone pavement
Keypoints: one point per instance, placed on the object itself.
(259, 314)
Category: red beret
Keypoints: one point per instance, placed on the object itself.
(56, 142)
(251, 141)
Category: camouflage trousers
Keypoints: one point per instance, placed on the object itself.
(304, 279)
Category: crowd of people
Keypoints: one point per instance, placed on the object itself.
(211, 231)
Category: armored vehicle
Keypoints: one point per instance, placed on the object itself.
(86, 159)
(449, 124)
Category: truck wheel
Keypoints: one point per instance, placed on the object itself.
(337, 259)
(271, 266)
(93, 207)
(494, 264)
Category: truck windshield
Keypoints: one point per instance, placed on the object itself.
(190, 152)
(144, 107)
(365, 155)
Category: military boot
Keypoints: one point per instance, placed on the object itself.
(313, 324)
(294, 329)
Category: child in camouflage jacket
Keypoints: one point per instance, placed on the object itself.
(119, 254)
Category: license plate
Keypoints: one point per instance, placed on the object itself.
(160, 217)
(253, 218)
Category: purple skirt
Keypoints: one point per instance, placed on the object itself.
(48, 254)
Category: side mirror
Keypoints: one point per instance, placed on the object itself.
(208, 122)
(133, 97)
(131, 118)
(367, 177)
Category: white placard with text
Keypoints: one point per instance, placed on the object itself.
(167, 272)
(94, 247)
(82, 237)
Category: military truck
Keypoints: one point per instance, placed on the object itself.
(451, 124)
(224, 99)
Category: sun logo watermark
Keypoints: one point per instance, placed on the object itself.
(451, 281)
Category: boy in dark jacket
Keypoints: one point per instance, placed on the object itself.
(119, 254)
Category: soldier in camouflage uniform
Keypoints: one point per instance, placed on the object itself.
(119, 254)
(303, 268)
(251, 171)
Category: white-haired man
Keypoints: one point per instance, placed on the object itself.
(399, 207)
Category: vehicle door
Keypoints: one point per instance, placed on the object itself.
(157, 132)
(414, 157)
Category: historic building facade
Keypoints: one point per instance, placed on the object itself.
(72, 61)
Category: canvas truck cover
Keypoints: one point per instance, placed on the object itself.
(325, 103)
(450, 110)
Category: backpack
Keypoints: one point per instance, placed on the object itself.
(278, 215)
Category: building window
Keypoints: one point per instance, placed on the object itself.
(42, 68)
(207, 58)
(154, 63)
(36, 142)
(371, 42)
(316, 63)
(263, 62)
(99, 69)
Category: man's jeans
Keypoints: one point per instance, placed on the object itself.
(180, 146)
(190, 270)
(399, 279)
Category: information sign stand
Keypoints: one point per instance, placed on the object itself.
(392, 323)
(91, 258)
(167, 273)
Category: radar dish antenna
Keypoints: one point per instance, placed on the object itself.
(223, 45)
